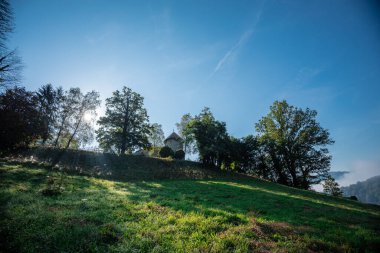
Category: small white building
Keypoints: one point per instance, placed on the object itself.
(174, 141)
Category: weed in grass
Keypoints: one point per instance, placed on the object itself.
(55, 184)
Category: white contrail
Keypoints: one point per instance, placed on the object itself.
(242, 40)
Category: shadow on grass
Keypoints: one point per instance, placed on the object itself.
(238, 202)
(318, 218)
(248, 195)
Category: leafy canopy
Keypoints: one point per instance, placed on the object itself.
(125, 126)
(295, 144)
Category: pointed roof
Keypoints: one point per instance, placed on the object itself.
(173, 136)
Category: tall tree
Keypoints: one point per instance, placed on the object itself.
(156, 136)
(296, 145)
(49, 100)
(184, 131)
(79, 126)
(66, 108)
(10, 63)
(21, 122)
(72, 122)
(211, 138)
(125, 126)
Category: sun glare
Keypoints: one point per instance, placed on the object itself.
(87, 117)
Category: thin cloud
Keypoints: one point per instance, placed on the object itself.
(235, 48)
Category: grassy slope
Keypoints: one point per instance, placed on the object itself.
(216, 213)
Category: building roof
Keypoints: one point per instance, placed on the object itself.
(173, 136)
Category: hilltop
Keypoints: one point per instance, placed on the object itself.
(122, 168)
(137, 204)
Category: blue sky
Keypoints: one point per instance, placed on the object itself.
(235, 57)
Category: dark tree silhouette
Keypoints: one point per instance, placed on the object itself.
(49, 101)
(21, 122)
(211, 138)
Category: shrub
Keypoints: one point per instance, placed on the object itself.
(154, 151)
(353, 198)
(179, 154)
(166, 152)
(54, 185)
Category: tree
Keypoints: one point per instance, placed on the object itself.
(166, 152)
(211, 138)
(179, 154)
(79, 126)
(295, 144)
(10, 63)
(184, 131)
(72, 124)
(66, 106)
(125, 126)
(156, 136)
(21, 122)
(331, 187)
(49, 100)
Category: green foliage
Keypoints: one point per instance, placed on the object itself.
(295, 145)
(166, 152)
(54, 184)
(28, 117)
(211, 138)
(20, 120)
(224, 215)
(156, 136)
(154, 151)
(70, 119)
(49, 101)
(125, 127)
(179, 154)
(331, 187)
(184, 131)
(78, 126)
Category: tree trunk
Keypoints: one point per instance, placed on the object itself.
(185, 148)
(56, 139)
(72, 136)
(125, 128)
(59, 132)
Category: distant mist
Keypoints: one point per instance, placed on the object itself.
(361, 170)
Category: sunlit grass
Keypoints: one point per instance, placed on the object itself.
(218, 215)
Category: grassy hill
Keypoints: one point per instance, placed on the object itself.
(136, 204)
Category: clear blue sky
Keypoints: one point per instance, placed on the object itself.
(235, 57)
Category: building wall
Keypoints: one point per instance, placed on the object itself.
(174, 144)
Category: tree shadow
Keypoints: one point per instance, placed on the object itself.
(248, 203)
(265, 208)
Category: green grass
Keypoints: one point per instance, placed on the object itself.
(213, 214)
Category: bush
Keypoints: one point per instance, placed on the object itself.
(353, 198)
(54, 185)
(166, 152)
(154, 151)
(179, 154)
